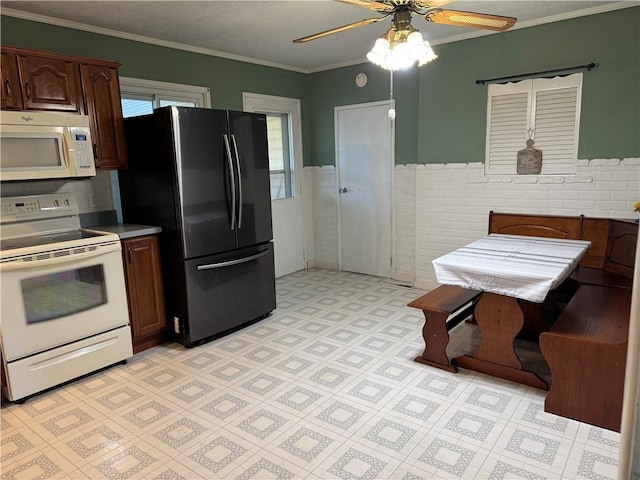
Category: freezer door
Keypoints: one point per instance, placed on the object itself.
(248, 134)
(206, 181)
(227, 291)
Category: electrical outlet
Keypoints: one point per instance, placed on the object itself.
(92, 199)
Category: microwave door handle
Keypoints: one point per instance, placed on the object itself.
(56, 261)
(233, 182)
(235, 148)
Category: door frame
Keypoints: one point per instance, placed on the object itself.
(391, 104)
(293, 107)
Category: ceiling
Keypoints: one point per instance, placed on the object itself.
(262, 31)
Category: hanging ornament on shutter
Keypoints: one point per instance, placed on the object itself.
(529, 159)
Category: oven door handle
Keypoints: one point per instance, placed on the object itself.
(52, 262)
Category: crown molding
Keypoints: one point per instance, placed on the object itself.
(215, 53)
(34, 17)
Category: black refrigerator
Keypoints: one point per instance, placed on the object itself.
(203, 176)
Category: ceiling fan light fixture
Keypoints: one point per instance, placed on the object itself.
(380, 51)
(399, 49)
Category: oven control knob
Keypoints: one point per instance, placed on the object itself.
(67, 202)
(56, 203)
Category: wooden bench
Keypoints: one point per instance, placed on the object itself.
(608, 262)
(548, 226)
(443, 308)
(586, 351)
(611, 257)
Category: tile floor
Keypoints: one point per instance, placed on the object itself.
(323, 388)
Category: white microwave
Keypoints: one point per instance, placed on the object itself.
(39, 145)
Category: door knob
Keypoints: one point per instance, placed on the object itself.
(342, 190)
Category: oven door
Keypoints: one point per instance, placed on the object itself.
(65, 297)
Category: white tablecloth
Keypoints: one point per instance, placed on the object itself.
(513, 265)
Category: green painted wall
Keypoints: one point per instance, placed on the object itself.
(334, 88)
(452, 120)
(441, 106)
(226, 79)
(441, 112)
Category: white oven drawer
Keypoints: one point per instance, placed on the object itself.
(45, 370)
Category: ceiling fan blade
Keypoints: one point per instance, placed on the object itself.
(431, 3)
(471, 19)
(339, 29)
(372, 5)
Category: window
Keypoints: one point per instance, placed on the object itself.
(284, 139)
(549, 109)
(279, 154)
(140, 97)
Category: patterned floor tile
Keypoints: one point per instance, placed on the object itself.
(217, 454)
(39, 468)
(448, 457)
(262, 424)
(325, 387)
(299, 398)
(180, 432)
(329, 377)
(357, 465)
(192, 391)
(390, 434)
(126, 464)
(149, 414)
(263, 469)
(306, 444)
(341, 415)
(225, 406)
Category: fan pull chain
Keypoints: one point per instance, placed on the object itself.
(392, 111)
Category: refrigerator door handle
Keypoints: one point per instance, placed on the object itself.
(235, 148)
(233, 182)
(232, 262)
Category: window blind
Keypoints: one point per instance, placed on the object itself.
(549, 107)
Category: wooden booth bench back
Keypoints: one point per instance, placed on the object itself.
(611, 256)
(550, 226)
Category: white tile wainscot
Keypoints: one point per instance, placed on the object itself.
(322, 182)
(453, 201)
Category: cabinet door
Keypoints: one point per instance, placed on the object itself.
(102, 95)
(49, 84)
(144, 283)
(11, 99)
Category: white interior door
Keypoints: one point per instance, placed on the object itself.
(288, 229)
(364, 159)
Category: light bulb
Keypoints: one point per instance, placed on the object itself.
(415, 38)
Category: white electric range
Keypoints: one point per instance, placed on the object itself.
(63, 310)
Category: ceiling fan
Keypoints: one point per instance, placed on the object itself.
(430, 10)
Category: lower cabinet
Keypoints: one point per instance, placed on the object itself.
(143, 275)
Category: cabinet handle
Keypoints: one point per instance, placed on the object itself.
(130, 256)
(95, 152)
(7, 88)
(27, 87)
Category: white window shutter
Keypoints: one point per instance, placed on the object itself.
(556, 122)
(550, 107)
(507, 123)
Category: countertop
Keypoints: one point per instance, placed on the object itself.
(127, 230)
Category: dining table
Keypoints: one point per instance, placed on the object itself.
(513, 272)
